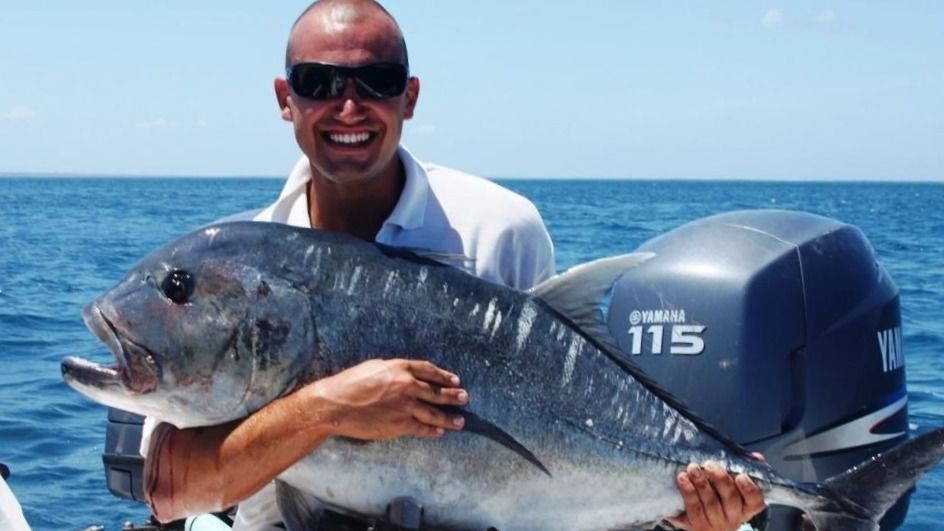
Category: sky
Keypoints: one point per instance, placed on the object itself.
(809, 90)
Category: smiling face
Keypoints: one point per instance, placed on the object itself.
(349, 140)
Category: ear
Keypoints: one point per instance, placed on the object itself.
(412, 94)
(281, 94)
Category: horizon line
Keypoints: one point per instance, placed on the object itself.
(84, 175)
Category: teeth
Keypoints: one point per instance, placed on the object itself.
(349, 138)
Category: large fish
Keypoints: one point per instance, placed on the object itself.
(563, 433)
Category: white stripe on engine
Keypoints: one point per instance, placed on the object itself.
(849, 435)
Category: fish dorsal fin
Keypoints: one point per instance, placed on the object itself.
(578, 293)
(430, 257)
(456, 260)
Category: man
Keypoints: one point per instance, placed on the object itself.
(347, 93)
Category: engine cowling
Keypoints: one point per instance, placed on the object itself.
(780, 328)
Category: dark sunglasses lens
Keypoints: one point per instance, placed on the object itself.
(382, 80)
(316, 81)
(313, 81)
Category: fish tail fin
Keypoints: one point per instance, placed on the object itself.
(856, 499)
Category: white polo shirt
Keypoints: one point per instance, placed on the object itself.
(460, 219)
(464, 220)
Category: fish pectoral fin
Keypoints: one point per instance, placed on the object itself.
(299, 511)
(578, 292)
(479, 426)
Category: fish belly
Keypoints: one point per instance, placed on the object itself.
(466, 482)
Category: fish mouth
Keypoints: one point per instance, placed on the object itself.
(136, 368)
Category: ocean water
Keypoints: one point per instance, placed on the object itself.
(64, 241)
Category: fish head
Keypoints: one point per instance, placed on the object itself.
(203, 331)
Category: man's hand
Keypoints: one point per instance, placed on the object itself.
(714, 501)
(384, 399)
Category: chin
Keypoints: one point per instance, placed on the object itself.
(349, 177)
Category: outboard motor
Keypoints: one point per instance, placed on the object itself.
(124, 464)
(779, 328)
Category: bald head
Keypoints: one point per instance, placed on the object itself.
(328, 18)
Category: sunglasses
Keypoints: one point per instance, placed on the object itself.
(320, 81)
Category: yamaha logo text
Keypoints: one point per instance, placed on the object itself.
(668, 332)
(889, 344)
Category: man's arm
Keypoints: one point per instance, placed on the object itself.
(206, 469)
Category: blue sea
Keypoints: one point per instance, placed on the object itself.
(64, 241)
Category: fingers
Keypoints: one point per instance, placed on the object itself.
(714, 500)
(436, 418)
(425, 430)
(383, 399)
(439, 395)
(711, 505)
(752, 496)
(428, 372)
(731, 504)
(434, 385)
(694, 516)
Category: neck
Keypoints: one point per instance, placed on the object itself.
(358, 209)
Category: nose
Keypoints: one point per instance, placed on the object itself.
(351, 111)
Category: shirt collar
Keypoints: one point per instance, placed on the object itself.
(408, 213)
(410, 210)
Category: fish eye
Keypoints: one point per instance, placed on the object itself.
(178, 286)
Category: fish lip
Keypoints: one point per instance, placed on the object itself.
(78, 370)
(137, 369)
